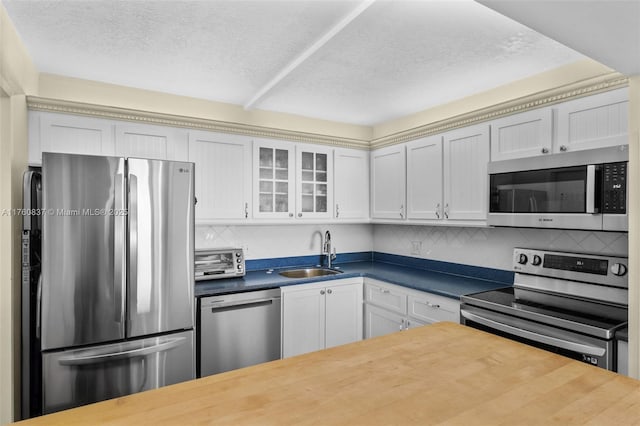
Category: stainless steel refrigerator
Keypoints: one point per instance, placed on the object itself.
(114, 309)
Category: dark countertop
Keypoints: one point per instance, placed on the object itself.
(444, 284)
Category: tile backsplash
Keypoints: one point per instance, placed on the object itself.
(489, 247)
(269, 241)
(486, 247)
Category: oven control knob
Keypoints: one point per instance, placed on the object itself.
(537, 260)
(522, 259)
(618, 269)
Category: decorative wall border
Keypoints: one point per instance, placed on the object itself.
(35, 103)
(537, 100)
(514, 106)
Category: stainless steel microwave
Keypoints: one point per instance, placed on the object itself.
(574, 190)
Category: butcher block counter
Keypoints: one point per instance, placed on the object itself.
(438, 374)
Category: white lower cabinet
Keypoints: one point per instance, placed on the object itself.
(390, 308)
(321, 315)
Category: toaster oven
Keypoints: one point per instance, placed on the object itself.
(219, 263)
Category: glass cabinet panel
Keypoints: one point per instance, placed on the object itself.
(313, 182)
(274, 180)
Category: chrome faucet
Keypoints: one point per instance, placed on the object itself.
(331, 255)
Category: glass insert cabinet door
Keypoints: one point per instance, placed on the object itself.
(314, 183)
(274, 180)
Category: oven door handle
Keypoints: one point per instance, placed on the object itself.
(541, 338)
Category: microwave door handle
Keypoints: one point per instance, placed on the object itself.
(591, 189)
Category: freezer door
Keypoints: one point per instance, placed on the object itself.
(161, 265)
(82, 376)
(83, 251)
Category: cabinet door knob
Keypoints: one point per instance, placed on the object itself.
(402, 211)
(402, 324)
(299, 214)
(322, 292)
(545, 150)
(563, 148)
(337, 210)
(246, 210)
(438, 211)
(329, 291)
(290, 214)
(446, 211)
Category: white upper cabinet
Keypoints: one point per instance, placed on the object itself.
(314, 182)
(586, 123)
(148, 141)
(466, 154)
(69, 134)
(388, 177)
(424, 178)
(594, 122)
(351, 183)
(273, 182)
(223, 175)
(522, 135)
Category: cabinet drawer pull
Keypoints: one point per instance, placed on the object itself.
(432, 305)
(385, 291)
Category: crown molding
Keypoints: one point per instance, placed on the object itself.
(549, 97)
(36, 103)
(544, 98)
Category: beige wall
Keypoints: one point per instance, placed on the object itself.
(561, 78)
(92, 92)
(17, 77)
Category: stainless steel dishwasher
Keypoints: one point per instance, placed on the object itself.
(237, 330)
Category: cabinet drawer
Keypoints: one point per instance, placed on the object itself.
(386, 296)
(431, 308)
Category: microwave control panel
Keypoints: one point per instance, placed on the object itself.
(614, 188)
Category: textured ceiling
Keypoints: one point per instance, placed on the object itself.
(348, 61)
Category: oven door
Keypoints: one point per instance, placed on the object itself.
(583, 348)
(563, 197)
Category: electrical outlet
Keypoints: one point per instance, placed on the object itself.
(416, 247)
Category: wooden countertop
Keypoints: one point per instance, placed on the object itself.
(439, 374)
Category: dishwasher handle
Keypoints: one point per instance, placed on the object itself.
(239, 304)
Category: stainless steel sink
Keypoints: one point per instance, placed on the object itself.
(308, 272)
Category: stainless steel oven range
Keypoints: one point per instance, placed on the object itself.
(568, 303)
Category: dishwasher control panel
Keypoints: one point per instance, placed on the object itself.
(219, 263)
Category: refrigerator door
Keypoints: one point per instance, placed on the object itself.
(161, 247)
(83, 251)
(82, 376)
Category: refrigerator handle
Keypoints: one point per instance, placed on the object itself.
(119, 252)
(38, 306)
(120, 355)
(133, 233)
